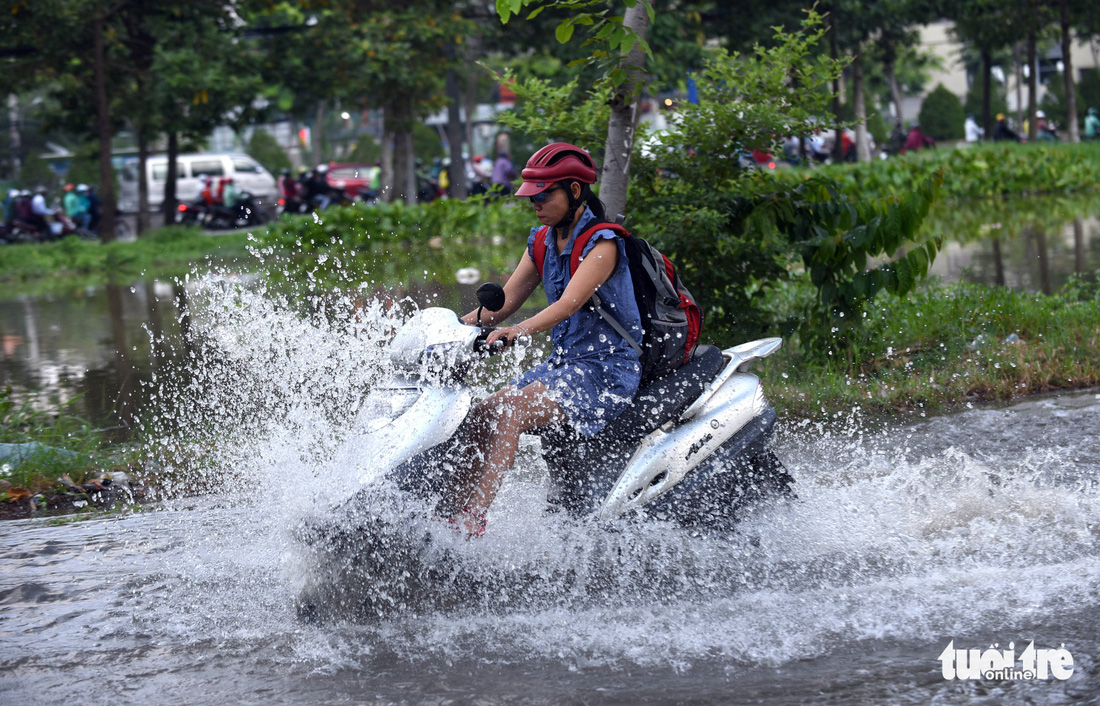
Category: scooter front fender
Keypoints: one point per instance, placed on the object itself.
(432, 419)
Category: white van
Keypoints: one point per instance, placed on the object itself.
(248, 175)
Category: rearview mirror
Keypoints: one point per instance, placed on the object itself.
(491, 296)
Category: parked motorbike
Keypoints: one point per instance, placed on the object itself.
(18, 231)
(246, 213)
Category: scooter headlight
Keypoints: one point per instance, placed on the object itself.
(383, 406)
(443, 350)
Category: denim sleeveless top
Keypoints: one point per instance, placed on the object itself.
(592, 372)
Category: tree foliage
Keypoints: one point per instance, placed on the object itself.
(749, 102)
(735, 234)
(942, 115)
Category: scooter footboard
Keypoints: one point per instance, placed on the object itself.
(582, 471)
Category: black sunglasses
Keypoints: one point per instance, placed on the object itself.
(544, 196)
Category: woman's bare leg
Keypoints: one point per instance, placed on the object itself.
(498, 422)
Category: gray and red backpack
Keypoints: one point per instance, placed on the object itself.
(671, 318)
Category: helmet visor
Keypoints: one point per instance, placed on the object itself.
(530, 188)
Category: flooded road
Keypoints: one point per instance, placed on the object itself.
(978, 528)
(971, 530)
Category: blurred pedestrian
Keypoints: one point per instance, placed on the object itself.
(973, 132)
(94, 205)
(9, 207)
(504, 173)
(75, 207)
(1044, 130)
(897, 138)
(1092, 125)
(23, 206)
(289, 192)
(818, 151)
(917, 140)
(230, 195)
(40, 212)
(207, 193)
(1002, 132)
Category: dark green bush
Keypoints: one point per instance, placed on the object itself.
(266, 150)
(941, 115)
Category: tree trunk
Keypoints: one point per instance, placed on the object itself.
(1072, 133)
(1032, 87)
(386, 175)
(863, 137)
(15, 138)
(834, 54)
(895, 93)
(319, 134)
(143, 180)
(171, 198)
(620, 127)
(987, 94)
(400, 167)
(108, 207)
(1019, 88)
(456, 172)
(469, 95)
(404, 166)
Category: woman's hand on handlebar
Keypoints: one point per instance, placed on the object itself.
(506, 336)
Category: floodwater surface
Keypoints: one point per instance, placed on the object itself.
(979, 528)
(975, 529)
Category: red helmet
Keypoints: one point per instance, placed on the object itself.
(554, 163)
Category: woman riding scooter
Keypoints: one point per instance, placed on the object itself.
(593, 372)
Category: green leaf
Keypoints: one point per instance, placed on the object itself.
(628, 42)
(906, 280)
(564, 31)
(504, 9)
(919, 260)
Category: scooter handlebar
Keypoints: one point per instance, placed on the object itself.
(499, 345)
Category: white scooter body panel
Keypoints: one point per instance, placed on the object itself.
(668, 454)
(432, 419)
(432, 339)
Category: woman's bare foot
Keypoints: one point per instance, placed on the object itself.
(469, 520)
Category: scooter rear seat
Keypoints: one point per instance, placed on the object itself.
(667, 397)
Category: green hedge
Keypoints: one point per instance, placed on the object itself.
(370, 227)
(977, 172)
(169, 250)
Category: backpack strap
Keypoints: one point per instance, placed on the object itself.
(582, 240)
(597, 304)
(538, 249)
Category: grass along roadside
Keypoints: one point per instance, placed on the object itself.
(34, 267)
(55, 462)
(947, 346)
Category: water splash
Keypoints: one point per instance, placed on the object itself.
(907, 532)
